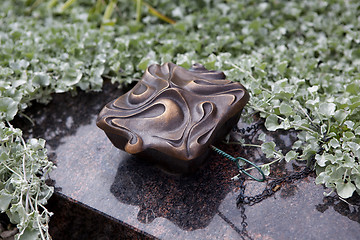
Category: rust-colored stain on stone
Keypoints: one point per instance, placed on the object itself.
(172, 115)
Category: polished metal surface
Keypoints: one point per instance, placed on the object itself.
(172, 115)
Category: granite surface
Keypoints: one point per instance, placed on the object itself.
(74, 220)
(135, 195)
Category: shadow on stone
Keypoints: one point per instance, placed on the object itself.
(190, 202)
(74, 220)
(351, 210)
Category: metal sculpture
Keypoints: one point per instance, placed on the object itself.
(173, 115)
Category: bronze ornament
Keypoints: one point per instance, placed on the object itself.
(172, 115)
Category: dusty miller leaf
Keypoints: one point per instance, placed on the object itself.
(268, 149)
(345, 190)
(327, 109)
(272, 123)
(291, 155)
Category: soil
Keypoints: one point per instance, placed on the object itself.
(7, 230)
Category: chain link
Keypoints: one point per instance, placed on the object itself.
(255, 126)
(270, 189)
(244, 224)
(274, 186)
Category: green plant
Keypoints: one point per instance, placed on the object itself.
(23, 192)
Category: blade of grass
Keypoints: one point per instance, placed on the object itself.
(108, 12)
(35, 5)
(98, 6)
(67, 4)
(52, 3)
(138, 10)
(157, 14)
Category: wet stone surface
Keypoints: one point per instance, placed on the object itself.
(100, 185)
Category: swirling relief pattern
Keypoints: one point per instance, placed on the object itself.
(173, 110)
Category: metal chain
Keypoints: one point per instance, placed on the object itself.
(244, 224)
(271, 188)
(274, 186)
(255, 126)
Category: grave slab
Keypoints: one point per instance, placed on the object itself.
(100, 185)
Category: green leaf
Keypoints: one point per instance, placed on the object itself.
(357, 181)
(5, 200)
(268, 149)
(345, 190)
(8, 108)
(334, 143)
(19, 65)
(320, 160)
(327, 109)
(143, 64)
(348, 136)
(272, 123)
(41, 80)
(322, 178)
(262, 137)
(323, 159)
(349, 124)
(357, 131)
(286, 124)
(71, 77)
(184, 60)
(353, 88)
(266, 170)
(341, 115)
(3, 156)
(30, 234)
(313, 89)
(291, 155)
(285, 109)
(281, 67)
(297, 144)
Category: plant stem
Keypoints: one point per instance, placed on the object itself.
(52, 3)
(158, 14)
(283, 119)
(35, 4)
(11, 170)
(138, 10)
(38, 217)
(28, 118)
(67, 4)
(244, 144)
(244, 71)
(108, 12)
(265, 164)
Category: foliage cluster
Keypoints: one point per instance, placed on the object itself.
(299, 60)
(23, 194)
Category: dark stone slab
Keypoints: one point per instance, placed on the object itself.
(113, 189)
(74, 220)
